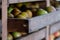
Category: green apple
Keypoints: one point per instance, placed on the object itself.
(41, 12)
(9, 37)
(23, 15)
(16, 34)
(10, 9)
(50, 9)
(10, 15)
(29, 13)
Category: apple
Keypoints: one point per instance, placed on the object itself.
(10, 9)
(9, 37)
(29, 13)
(56, 34)
(16, 11)
(23, 15)
(50, 9)
(41, 12)
(16, 34)
(10, 15)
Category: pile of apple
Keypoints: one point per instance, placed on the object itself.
(23, 10)
(54, 35)
(15, 35)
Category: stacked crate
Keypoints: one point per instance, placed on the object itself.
(38, 27)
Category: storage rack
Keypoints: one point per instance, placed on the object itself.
(51, 19)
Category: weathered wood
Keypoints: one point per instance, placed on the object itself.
(47, 3)
(35, 36)
(47, 32)
(17, 25)
(55, 27)
(18, 1)
(4, 19)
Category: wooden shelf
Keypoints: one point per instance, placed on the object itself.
(42, 21)
(55, 27)
(35, 36)
(39, 22)
(42, 33)
(34, 24)
(18, 1)
(17, 25)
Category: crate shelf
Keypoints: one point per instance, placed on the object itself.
(33, 24)
(42, 21)
(18, 1)
(36, 35)
(38, 22)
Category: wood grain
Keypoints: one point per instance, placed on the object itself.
(4, 19)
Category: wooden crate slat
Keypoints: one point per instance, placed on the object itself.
(18, 1)
(4, 19)
(35, 36)
(42, 21)
(55, 27)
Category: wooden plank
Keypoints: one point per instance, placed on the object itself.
(4, 19)
(55, 27)
(47, 32)
(47, 27)
(17, 25)
(47, 3)
(39, 22)
(36, 36)
(18, 1)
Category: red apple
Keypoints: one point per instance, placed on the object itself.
(56, 34)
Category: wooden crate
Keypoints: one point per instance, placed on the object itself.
(33, 24)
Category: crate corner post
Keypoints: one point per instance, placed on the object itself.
(4, 19)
